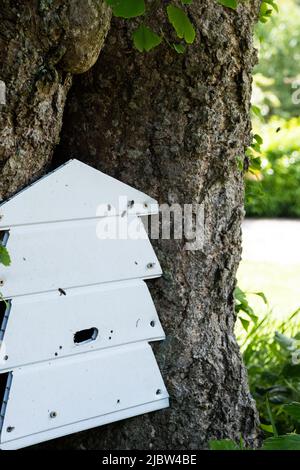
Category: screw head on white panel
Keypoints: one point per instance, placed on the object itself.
(53, 414)
(150, 265)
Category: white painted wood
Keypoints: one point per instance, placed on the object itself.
(73, 191)
(81, 392)
(49, 257)
(75, 338)
(26, 441)
(42, 327)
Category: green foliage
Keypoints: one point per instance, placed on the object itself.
(229, 3)
(253, 153)
(4, 256)
(179, 48)
(273, 362)
(271, 353)
(243, 309)
(223, 444)
(272, 426)
(267, 427)
(293, 410)
(277, 73)
(127, 8)
(256, 111)
(6, 261)
(287, 442)
(144, 39)
(275, 189)
(181, 23)
(266, 10)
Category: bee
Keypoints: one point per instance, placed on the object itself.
(62, 291)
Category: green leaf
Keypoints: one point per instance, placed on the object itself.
(245, 323)
(187, 2)
(273, 4)
(243, 305)
(240, 295)
(266, 11)
(258, 139)
(287, 442)
(223, 444)
(256, 110)
(271, 418)
(127, 8)
(262, 295)
(291, 371)
(181, 23)
(264, 8)
(267, 428)
(255, 147)
(145, 39)
(233, 4)
(255, 163)
(293, 409)
(179, 48)
(284, 341)
(277, 399)
(4, 256)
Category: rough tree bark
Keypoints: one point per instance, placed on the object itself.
(42, 42)
(173, 126)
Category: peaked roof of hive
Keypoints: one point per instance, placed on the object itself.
(74, 191)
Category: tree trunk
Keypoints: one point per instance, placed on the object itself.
(41, 43)
(173, 126)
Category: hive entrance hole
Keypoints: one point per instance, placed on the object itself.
(85, 336)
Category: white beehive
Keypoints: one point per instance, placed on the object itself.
(78, 316)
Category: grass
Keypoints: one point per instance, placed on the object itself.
(271, 341)
(280, 283)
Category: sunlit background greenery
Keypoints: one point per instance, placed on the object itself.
(268, 329)
(275, 190)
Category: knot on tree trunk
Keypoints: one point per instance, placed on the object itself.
(41, 44)
(88, 25)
